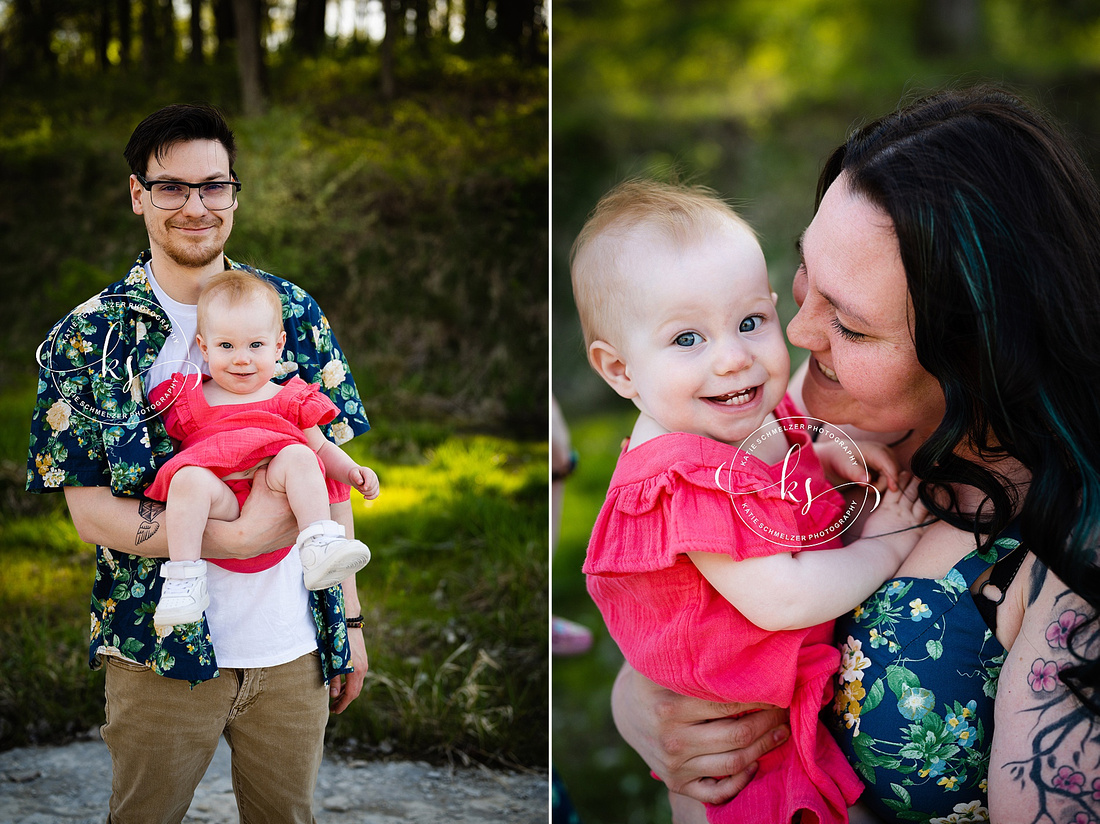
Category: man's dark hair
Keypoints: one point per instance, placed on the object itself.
(179, 123)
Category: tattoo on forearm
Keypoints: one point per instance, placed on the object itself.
(1064, 786)
(149, 512)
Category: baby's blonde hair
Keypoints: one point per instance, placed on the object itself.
(681, 213)
(236, 286)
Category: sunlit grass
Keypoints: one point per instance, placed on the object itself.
(31, 578)
(455, 601)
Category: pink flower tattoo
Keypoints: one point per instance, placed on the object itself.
(1058, 632)
(1043, 676)
(1069, 780)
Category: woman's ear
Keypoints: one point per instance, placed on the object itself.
(610, 365)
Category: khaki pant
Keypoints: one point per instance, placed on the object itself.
(162, 735)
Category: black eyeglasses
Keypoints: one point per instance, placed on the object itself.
(173, 194)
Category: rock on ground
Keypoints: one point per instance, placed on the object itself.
(71, 784)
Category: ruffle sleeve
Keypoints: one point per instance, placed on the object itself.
(306, 406)
(647, 524)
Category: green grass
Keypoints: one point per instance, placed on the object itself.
(454, 599)
(608, 782)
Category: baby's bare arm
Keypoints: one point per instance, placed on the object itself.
(792, 590)
(340, 467)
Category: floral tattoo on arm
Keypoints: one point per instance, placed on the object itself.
(1064, 768)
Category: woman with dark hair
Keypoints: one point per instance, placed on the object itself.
(948, 293)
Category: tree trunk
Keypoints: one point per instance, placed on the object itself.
(31, 25)
(475, 39)
(125, 15)
(169, 37)
(518, 27)
(309, 26)
(197, 57)
(423, 25)
(152, 55)
(103, 36)
(386, 83)
(225, 26)
(250, 56)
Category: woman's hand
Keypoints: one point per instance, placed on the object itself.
(694, 746)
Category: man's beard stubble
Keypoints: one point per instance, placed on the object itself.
(194, 256)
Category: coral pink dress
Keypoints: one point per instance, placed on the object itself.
(677, 630)
(235, 437)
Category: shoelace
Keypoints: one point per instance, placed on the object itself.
(174, 587)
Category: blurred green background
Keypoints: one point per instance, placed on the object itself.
(747, 97)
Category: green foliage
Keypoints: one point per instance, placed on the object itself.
(420, 223)
(47, 692)
(455, 600)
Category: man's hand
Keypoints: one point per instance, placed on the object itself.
(343, 689)
(265, 524)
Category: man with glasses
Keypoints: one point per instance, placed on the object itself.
(262, 666)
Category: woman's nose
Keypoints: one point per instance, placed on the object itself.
(806, 329)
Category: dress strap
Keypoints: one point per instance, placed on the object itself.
(1001, 577)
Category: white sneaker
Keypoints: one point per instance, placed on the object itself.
(327, 556)
(184, 597)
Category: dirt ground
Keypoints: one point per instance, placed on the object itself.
(72, 784)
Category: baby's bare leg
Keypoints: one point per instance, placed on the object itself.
(195, 496)
(295, 471)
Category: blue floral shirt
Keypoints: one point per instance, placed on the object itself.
(92, 426)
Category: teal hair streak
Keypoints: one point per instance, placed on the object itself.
(1088, 512)
(972, 262)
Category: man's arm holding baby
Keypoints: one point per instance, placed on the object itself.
(136, 525)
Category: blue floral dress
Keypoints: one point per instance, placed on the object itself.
(913, 710)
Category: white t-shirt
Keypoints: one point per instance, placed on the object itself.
(257, 619)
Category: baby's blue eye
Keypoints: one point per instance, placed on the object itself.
(749, 324)
(688, 339)
(225, 345)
